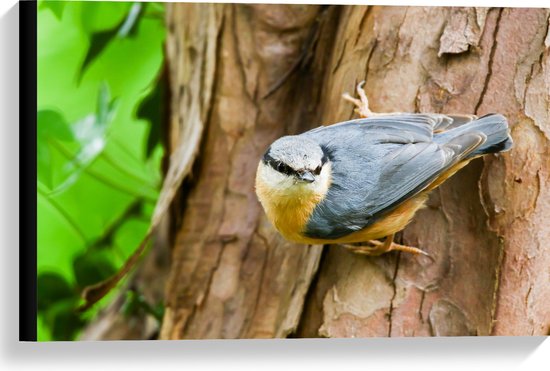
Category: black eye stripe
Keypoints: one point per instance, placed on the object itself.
(317, 170)
(283, 168)
(277, 165)
(267, 157)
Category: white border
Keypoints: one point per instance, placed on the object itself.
(500, 353)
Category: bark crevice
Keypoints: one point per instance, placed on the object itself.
(489, 63)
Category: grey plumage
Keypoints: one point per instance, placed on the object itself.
(304, 153)
(381, 161)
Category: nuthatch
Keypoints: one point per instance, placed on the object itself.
(360, 180)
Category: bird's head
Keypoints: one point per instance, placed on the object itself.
(294, 166)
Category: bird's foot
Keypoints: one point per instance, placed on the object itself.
(362, 103)
(376, 248)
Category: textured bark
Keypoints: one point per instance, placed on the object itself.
(232, 274)
(488, 227)
(253, 73)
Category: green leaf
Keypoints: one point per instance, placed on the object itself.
(98, 43)
(43, 332)
(91, 131)
(152, 109)
(56, 7)
(51, 126)
(91, 135)
(105, 186)
(44, 159)
(52, 287)
(101, 39)
(95, 265)
(63, 320)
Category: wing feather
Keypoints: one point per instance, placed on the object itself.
(378, 163)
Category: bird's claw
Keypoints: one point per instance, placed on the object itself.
(362, 103)
(376, 248)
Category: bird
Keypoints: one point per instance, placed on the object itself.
(356, 182)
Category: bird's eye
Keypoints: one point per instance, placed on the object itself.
(284, 168)
(317, 170)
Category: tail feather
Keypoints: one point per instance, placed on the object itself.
(493, 126)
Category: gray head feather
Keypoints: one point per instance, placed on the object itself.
(298, 152)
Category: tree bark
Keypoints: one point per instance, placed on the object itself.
(232, 275)
(488, 227)
(281, 69)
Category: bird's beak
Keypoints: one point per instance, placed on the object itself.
(306, 176)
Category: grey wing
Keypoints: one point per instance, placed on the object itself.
(377, 164)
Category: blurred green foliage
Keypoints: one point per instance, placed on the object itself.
(98, 152)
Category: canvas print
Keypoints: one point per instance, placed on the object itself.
(227, 171)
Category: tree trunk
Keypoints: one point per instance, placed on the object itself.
(253, 73)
